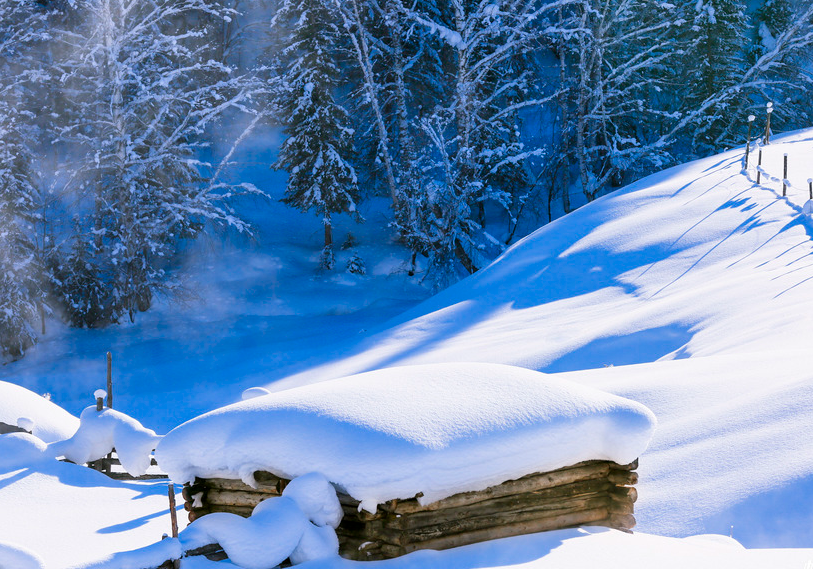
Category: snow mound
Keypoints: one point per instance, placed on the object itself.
(394, 433)
(102, 431)
(317, 499)
(261, 541)
(16, 557)
(20, 450)
(51, 422)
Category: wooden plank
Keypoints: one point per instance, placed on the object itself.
(576, 495)
(623, 477)
(532, 483)
(238, 485)
(235, 497)
(474, 523)
(239, 510)
(507, 530)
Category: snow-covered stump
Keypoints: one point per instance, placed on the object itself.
(598, 493)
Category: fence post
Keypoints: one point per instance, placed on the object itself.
(810, 187)
(759, 166)
(785, 177)
(110, 380)
(768, 123)
(751, 119)
(173, 515)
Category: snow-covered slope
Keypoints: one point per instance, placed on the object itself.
(699, 275)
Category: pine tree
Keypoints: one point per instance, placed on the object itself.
(20, 269)
(318, 150)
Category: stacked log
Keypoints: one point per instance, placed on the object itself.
(589, 493)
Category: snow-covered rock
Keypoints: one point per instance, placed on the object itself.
(434, 429)
(50, 422)
(101, 431)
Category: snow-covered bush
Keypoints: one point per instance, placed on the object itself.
(356, 266)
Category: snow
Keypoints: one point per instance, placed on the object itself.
(694, 284)
(435, 429)
(261, 541)
(316, 498)
(16, 557)
(71, 515)
(51, 422)
(102, 431)
(18, 450)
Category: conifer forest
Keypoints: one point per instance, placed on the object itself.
(467, 116)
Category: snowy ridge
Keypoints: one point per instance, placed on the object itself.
(394, 433)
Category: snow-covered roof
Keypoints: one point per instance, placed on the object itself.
(51, 422)
(394, 433)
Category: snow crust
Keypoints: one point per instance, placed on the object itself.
(394, 433)
(51, 422)
(101, 431)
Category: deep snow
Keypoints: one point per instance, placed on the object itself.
(434, 430)
(693, 283)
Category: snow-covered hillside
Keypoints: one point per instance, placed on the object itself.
(690, 292)
(705, 281)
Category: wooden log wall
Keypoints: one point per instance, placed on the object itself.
(589, 493)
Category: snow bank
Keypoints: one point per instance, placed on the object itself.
(394, 433)
(101, 431)
(21, 450)
(16, 557)
(51, 422)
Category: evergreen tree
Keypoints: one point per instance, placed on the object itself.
(317, 152)
(20, 270)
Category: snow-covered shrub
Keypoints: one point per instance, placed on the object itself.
(327, 260)
(356, 265)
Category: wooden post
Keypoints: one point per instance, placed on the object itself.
(751, 119)
(810, 186)
(41, 310)
(173, 515)
(785, 177)
(99, 395)
(768, 123)
(109, 380)
(759, 165)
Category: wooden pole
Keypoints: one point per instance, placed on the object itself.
(759, 166)
(810, 186)
(110, 380)
(768, 124)
(41, 310)
(751, 119)
(173, 515)
(785, 177)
